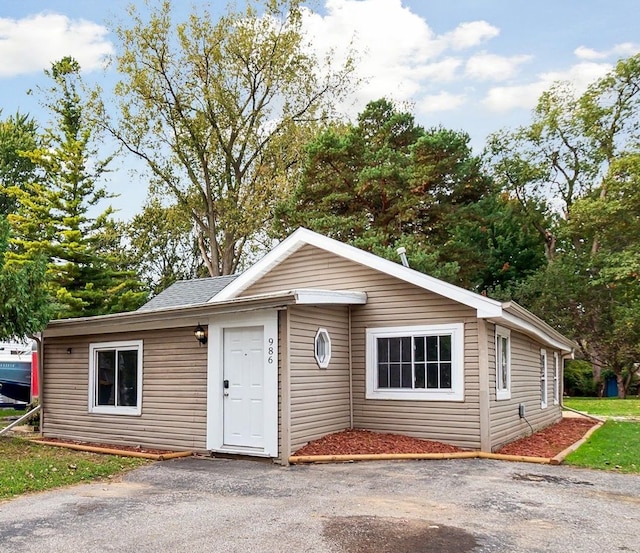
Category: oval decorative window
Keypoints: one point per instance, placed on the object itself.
(322, 348)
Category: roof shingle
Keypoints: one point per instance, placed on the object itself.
(188, 292)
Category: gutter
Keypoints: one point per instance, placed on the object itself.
(165, 318)
(516, 316)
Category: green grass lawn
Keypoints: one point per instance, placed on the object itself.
(28, 467)
(11, 413)
(614, 446)
(606, 407)
(6, 413)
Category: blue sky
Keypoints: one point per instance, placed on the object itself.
(472, 65)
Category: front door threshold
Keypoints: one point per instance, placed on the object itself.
(239, 450)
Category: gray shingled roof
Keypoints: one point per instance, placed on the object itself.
(188, 292)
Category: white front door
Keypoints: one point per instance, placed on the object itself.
(242, 383)
(243, 387)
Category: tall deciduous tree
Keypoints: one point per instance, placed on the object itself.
(579, 157)
(218, 111)
(54, 217)
(566, 152)
(162, 246)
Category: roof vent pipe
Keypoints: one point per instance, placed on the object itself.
(402, 252)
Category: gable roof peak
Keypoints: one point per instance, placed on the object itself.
(302, 236)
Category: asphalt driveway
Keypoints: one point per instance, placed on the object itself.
(460, 506)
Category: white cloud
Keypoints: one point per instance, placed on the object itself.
(31, 44)
(624, 49)
(470, 34)
(398, 55)
(484, 66)
(526, 95)
(440, 71)
(444, 101)
(585, 53)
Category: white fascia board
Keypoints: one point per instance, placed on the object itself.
(486, 307)
(254, 273)
(518, 323)
(329, 297)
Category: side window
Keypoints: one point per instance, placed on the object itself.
(543, 378)
(503, 363)
(322, 348)
(556, 378)
(115, 378)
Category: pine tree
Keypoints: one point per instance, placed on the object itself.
(54, 215)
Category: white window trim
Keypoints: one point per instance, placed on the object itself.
(323, 362)
(108, 409)
(455, 393)
(556, 378)
(544, 392)
(503, 393)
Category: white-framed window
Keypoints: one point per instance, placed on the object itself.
(115, 377)
(556, 378)
(322, 348)
(543, 378)
(416, 363)
(503, 363)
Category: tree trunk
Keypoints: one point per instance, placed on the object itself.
(596, 363)
(622, 385)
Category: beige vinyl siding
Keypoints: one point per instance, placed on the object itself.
(284, 395)
(453, 422)
(506, 424)
(319, 397)
(391, 302)
(174, 390)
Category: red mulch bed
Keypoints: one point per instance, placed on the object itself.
(357, 441)
(545, 443)
(550, 441)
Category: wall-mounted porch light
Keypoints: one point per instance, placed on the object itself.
(200, 334)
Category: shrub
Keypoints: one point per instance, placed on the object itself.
(578, 379)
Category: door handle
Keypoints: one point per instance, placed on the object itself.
(225, 386)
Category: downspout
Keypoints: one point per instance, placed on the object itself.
(484, 405)
(564, 357)
(350, 372)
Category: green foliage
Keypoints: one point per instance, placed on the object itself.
(162, 246)
(10, 412)
(29, 467)
(581, 154)
(495, 245)
(218, 110)
(18, 134)
(387, 182)
(578, 380)
(53, 218)
(24, 301)
(614, 446)
(34, 420)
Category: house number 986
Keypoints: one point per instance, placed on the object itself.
(270, 351)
